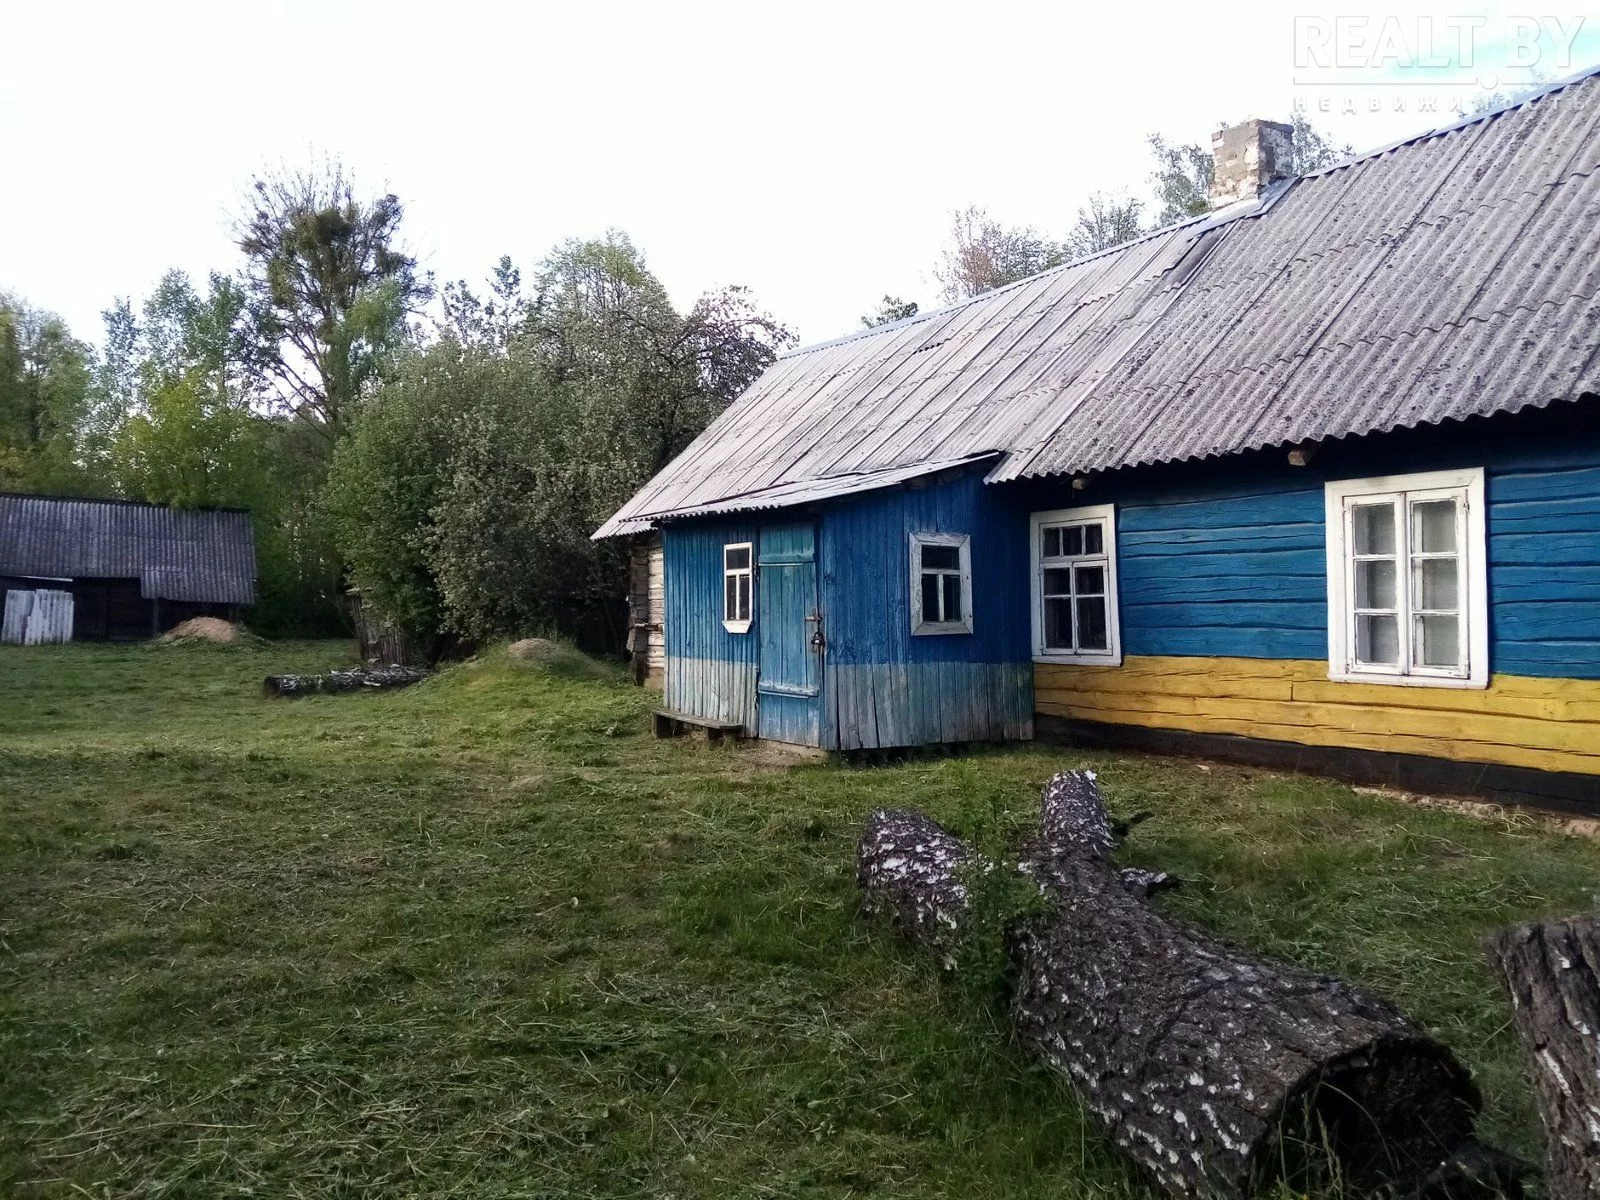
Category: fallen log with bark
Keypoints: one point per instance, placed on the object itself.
(1552, 970)
(1213, 1069)
(357, 679)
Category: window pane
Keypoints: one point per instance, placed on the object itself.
(736, 558)
(1058, 624)
(1058, 582)
(744, 597)
(1378, 640)
(1433, 527)
(730, 598)
(952, 597)
(1375, 584)
(1089, 581)
(930, 598)
(1092, 623)
(1372, 528)
(1094, 539)
(1434, 580)
(1072, 540)
(1438, 642)
(941, 558)
(1051, 543)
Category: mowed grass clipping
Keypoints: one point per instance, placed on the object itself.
(486, 937)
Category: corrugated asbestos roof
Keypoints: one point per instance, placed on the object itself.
(1452, 275)
(203, 555)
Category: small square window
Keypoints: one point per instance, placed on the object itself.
(941, 583)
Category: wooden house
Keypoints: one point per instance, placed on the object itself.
(116, 570)
(1313, 479)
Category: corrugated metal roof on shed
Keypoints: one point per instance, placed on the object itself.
(1452, 275)
(198, 555)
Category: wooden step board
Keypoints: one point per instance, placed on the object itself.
(676, 724)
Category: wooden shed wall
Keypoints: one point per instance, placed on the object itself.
(1224, 609)
(709, 672)
(884, 687)
(647, 638)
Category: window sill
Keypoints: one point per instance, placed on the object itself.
(941, 629)
(1077, 660)
(1386, 678)
(736, 626)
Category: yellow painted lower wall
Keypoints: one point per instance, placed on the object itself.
(1520, 721)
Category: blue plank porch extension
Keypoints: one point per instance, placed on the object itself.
(844, 574)
(1314, 477)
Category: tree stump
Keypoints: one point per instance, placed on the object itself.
(1552, 970)
(1213, 1069)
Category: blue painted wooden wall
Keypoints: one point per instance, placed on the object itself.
(882, 687)
(710, 672)
(1228, 559)
(886, 687)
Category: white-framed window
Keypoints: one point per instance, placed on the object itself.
(1075, 586)
(738, 575)
(941, 583)
(1408, 594)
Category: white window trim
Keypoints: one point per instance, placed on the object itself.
(750, 571)
(1111, 656)
(1474, 607)
(963, 542)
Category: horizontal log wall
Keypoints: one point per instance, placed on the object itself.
(1521, 721)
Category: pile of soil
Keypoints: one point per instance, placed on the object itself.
(534, 650)
(207, 629)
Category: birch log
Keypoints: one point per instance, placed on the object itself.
(1552, 970)
(1211, 1068)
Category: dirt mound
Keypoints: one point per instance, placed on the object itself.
(207, 629)
(534, 650)
(557, 658)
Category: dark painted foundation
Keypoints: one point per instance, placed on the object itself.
(1555, 791)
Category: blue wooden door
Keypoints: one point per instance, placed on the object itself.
(789, 633)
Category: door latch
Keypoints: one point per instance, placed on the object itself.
(818, 642)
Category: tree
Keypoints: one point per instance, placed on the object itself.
(464, 497)
(1103, 222)
(982, 255)
(890, 309)
(44, 403)
(329, 289)
(493, 322)
(1312, 149)
(1181, 180)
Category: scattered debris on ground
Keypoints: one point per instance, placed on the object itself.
(208, 629)
(1484, 810)
(357, 679)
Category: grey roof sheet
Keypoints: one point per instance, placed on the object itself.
(1451, 275)
(201, 555)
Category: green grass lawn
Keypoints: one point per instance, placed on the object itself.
(486, 937)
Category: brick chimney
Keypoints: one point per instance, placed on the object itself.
(1247, 157)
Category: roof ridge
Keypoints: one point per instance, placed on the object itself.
(118, 500)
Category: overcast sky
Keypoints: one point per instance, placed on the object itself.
(812, 151)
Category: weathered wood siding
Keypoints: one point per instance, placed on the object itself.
(36, 618)
(1222, 577)
(647, 639)
(709, 671)
(883, 686)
